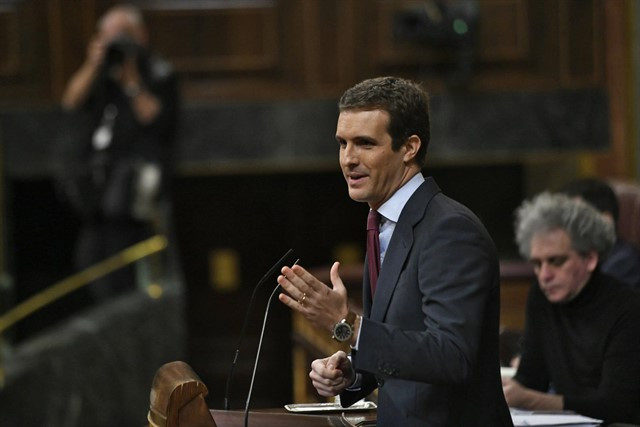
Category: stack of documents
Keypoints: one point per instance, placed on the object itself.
(548, 418)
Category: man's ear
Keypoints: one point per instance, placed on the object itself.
(411, 146)
(592, 260)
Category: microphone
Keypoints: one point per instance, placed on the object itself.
(246, 321)
(255, 365)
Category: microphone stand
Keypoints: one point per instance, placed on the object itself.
(255, 365)
(246, 321)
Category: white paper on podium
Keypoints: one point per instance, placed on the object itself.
(542, 418)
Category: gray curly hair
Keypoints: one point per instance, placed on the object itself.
(587, 228)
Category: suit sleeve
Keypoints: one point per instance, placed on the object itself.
(368, 384)
(433, 328)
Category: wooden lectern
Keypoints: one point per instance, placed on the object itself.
(177, 400)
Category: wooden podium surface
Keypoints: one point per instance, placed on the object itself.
(282, 418)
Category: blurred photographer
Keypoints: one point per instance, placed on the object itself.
(122, 106)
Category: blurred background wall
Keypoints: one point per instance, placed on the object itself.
(526, 94)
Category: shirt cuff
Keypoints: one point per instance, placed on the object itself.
(357, 384)
(355, 346)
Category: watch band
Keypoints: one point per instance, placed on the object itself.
(350, 319)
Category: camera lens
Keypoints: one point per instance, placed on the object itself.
(119, 49)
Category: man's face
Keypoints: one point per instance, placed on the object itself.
(373, 171)
(561, 271)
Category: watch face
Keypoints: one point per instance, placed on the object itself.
(342, 331)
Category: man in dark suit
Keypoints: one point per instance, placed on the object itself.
(428, 337)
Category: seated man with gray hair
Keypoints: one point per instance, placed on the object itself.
(581, 344)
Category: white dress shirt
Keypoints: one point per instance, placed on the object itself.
(389, 214)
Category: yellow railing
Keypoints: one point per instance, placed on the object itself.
(64, 287)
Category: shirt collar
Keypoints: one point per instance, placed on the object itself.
(392, 208)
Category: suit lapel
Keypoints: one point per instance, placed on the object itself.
(400, 246)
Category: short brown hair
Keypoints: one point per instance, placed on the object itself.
(406, 102)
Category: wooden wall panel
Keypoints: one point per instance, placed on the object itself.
(70, 29)
(236, 40)
(618, 162)
(329, 35)
(231, 50)
(9, 41)
(521, 44)
(24, 53)
(581, 58)
(503, 34)
(505, 31)
(275, 49)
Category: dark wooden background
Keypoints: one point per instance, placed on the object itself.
(274, 49)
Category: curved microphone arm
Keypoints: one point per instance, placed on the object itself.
(255, 365)
(246, 321)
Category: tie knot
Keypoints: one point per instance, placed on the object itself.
(373, 220)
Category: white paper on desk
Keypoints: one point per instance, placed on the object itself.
(547, 419)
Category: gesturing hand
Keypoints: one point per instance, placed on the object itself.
(320, 304)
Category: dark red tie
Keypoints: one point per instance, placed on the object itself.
(373, 248)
